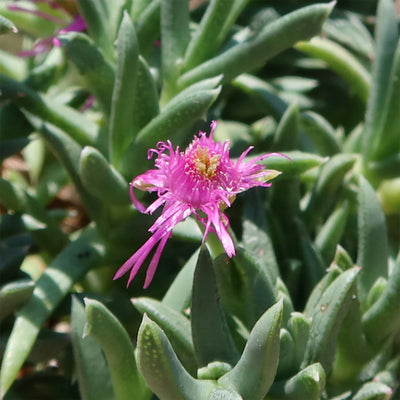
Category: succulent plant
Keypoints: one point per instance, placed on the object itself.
(294, 291)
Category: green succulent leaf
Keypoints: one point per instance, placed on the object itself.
(327, 317)
(254, 52)
(55, 282)
(341, 61)
(122, 114)
(175, 38)
(161, 368)
(374, 391)
(207, 315)
(286, 136)
(245, 289)
(101, 179)
(299, 328)
(103, 18)
(179, 294)
(91, 367)
(308, 384)
(13, 295)
(254, 373)
(97, 72)
(80, 128)
(372, 243)
(329, 183)
(212, 31)
(296, 163)
(105, 328)
(147, 26)
(382, 319)
(321, 133)
(168, 124)
(175, 325)
(387, 38)
(286, 365)
(256, 238)
(331, 233)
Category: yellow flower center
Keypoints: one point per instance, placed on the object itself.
(206, 165)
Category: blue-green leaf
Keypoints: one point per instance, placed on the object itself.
(161, 369)
(91, 368)
(254, 373)
(327, 317)
(254, 52)
(206, 312)
(55, 282)
(372, 240)
(105, 328)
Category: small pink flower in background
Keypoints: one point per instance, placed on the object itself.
(46, 44)
(201, 181)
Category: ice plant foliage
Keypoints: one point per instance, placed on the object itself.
(201, 181)
(44, 45)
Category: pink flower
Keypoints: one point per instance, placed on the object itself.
(201, 181)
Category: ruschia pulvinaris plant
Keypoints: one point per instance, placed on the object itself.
(289, 290)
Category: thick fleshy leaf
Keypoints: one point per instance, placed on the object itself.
(207, 314)
(308, 384)
(299, 328)
(261, 92)
(383, 319)
(91, 368)
(121, 129)
(386, 41)
(329, 183)
(374, 391)
(254, 373)
(175, 325)
(327, 318)
(348, 29)
(96, 71)
(55, 282)
(175, 38)
(167, 125)
(179, 294)
(245, 289)
(286, 365)
(340, 61)
(68, 152)
(80, 128)
(314, 299)
(321, 133)
(211, 33)
(101, 179)
(352, 351)
(105, 328)
(271, 40)
(297, 163)
(162, 370)
(102, 19)
(36, 216)
(372, 241)
(13, 295)
(331, 233)
(388, 146)
(148, 26)
(286, 136)
(256, 238)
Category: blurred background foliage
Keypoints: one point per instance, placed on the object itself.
(309, 308)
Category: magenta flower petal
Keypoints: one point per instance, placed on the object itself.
(201, 181)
